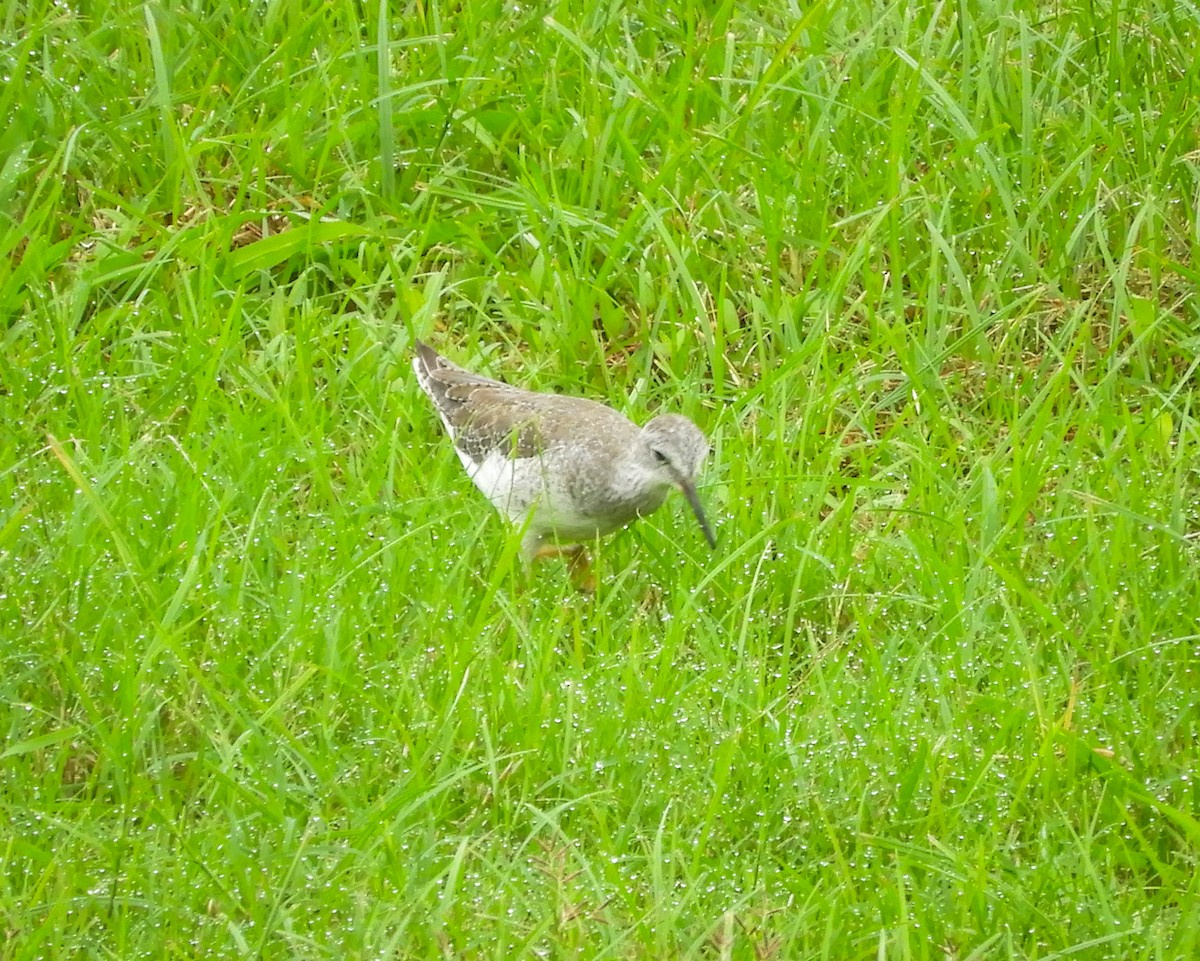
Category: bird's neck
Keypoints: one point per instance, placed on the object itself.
(632, 483)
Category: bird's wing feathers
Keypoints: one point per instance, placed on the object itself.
(483, 415)
(498, 419)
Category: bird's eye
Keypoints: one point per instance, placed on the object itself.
(659, 456)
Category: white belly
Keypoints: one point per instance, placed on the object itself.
(528, 485)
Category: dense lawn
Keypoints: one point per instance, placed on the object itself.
(270, 683)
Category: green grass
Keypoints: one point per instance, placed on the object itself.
(924, 273)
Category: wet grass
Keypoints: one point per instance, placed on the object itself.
(926, 277)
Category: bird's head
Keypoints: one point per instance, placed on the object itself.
(675, 449)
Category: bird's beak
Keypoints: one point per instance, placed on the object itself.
(689, 491)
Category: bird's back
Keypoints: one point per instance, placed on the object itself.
(484, 415)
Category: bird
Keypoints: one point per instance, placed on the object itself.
(564, 470)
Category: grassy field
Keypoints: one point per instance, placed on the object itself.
(925, 273)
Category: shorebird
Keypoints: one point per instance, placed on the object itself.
(565, 470)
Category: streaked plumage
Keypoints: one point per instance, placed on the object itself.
(565, 469)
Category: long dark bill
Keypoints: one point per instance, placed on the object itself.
(689, 491)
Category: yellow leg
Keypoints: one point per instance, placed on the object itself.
(579, 565)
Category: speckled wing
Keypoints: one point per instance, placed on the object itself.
(480, 414)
